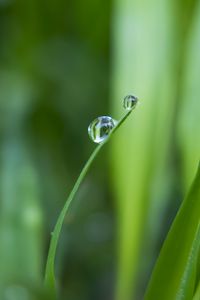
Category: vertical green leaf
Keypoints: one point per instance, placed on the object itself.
(141, 52)
(189, 108)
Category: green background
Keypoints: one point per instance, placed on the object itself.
(62, 64)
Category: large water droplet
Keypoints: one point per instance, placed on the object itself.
(100, 128)
(130, 102)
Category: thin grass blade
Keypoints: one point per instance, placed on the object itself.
(50, 281)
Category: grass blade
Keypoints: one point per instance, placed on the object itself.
(197, 293)
(140, 48)
(189, 108)
(49, 273)
(175, 271)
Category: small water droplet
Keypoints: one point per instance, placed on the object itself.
(100, 128)
(130, 102)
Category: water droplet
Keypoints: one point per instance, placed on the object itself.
(100, 128)
(130, 102)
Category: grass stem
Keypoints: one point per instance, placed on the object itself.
(49, 272)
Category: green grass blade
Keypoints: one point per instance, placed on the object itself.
(175, 271)
(139, 49)
(49, 273)
(197, 293)
(189, 108)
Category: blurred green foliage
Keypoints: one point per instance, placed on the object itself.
(62, 63)
(156, 56)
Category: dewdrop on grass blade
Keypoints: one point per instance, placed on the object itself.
(100, 128)
(130, 102)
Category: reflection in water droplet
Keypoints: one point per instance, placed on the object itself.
(130, 102)
(100, 128)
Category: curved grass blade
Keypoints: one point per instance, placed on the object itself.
(174, 275)
(49, 273)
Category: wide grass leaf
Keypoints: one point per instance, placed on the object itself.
(139, 152)
(174, 275)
